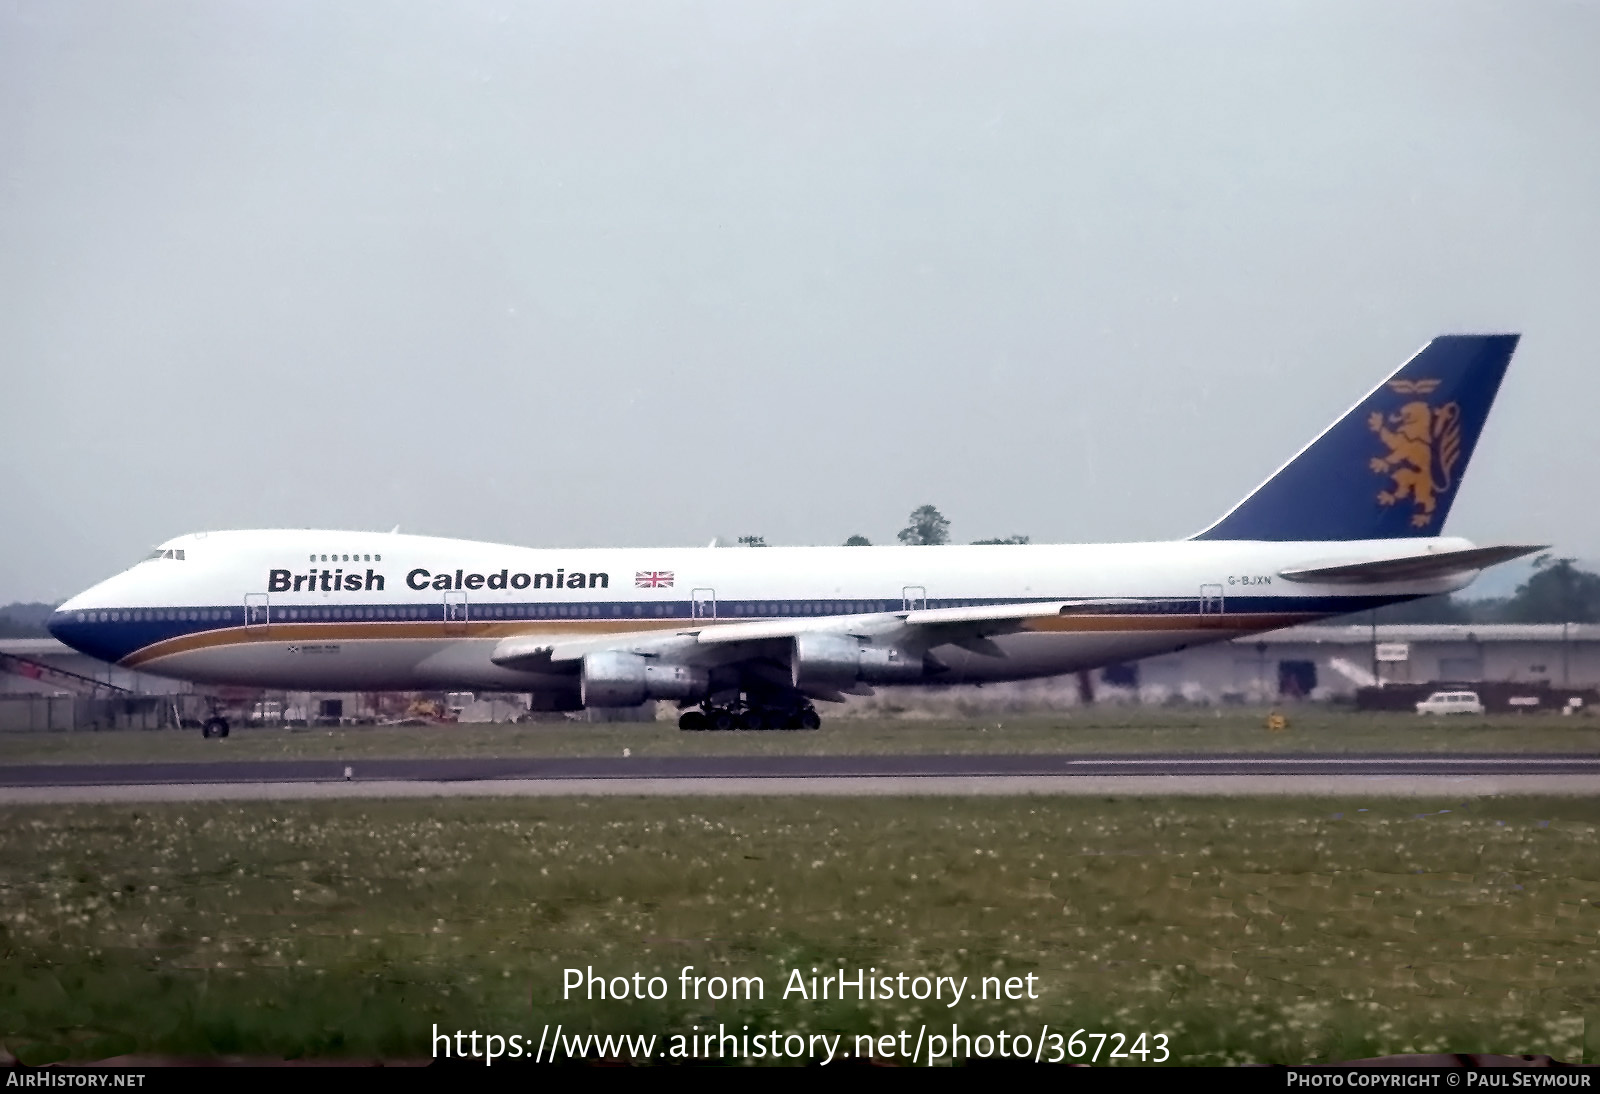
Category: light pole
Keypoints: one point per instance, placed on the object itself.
(1375, 678)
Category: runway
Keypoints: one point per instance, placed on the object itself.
(1388, 775)
(789, 767)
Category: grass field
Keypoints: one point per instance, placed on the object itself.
(1311, 729)
(1247, 930)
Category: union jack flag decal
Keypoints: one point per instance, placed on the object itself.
(653, 579)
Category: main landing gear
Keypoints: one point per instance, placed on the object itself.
(750, 716)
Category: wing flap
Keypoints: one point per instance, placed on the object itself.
(969, 625)
(975, 618)
(556, 653)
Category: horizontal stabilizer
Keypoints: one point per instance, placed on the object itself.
(1409, 567)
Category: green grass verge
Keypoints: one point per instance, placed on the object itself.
(1246, 930)
(1311, 729)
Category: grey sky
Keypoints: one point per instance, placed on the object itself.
(644, 273)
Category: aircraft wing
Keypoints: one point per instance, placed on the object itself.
(1412, 567)
(707, 643)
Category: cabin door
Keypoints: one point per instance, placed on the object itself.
(455, 612)
(703, 603)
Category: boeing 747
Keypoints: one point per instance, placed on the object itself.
(753, 638)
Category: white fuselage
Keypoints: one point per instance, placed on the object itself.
(323, 610)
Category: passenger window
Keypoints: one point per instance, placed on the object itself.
(377, 558)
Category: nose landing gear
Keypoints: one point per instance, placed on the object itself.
(215, 724)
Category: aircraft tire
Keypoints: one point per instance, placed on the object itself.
(810, 719)
(757, 719)
(724, 720)
(214, 727)
(693, 720)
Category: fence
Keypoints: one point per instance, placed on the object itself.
(21, 713)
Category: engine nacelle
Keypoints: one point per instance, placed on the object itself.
(615, 679)
(839, 660)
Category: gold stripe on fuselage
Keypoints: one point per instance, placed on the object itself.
(437, 630)
(410, 630)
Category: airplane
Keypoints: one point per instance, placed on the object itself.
(754, 639)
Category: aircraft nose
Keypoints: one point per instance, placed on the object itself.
(60, 626)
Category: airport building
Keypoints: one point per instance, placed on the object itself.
(1336, 661)
(45, 684)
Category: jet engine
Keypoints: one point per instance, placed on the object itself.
(839, 660)
(615, 679)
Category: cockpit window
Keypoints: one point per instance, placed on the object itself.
(166, 552)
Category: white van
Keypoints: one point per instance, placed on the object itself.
(1451, 702)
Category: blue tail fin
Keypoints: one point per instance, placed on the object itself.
(1391, 466)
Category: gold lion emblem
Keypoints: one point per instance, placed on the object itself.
(1424, 444)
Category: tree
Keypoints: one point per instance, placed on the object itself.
(25, 620)
(1428, 609)
(1007, 540)
(753, 541)
(858, 541)
(928, 528)
(1558, 592)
